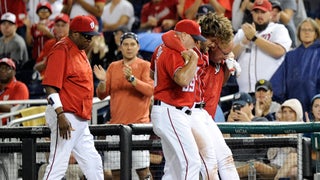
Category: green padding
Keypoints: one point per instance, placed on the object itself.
(269, 127)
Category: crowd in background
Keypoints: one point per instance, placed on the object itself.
(277, 47)
(35, 23)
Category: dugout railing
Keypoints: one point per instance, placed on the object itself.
(27, 144)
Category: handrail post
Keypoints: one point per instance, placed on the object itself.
(29, 158)
(125, 152)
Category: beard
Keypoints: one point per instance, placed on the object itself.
(5, 81)
(261, 27)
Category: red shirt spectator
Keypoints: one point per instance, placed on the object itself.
(160, 15)
(41, 31)
(10, 88)
(17, 7)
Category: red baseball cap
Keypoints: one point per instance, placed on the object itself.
(9, 62)
(263, 5)
(190, 27)
(83, 24)
(42, 5)
(62, 17)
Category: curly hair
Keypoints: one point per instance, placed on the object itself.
(217, 26)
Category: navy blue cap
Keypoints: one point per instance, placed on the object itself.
(242, 98)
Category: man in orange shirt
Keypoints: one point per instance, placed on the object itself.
(68, 83)
(130, 87)
(10, 88)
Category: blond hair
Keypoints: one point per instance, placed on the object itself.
(217, 26)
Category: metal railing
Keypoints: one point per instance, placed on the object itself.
(28, 137)
(97, 104)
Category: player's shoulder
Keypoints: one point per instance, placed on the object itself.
(170, 52)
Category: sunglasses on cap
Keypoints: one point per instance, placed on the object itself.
(86, 36)
(129, 35)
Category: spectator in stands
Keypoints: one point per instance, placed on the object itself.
(188, 8)
(289, 8)
(157, 160)
(260, 47)
(159, 15)
(286, 158)
(242, 106)
(10, 87)
(12, 45)
(83, 7)
(117, 13)
(56, 7)
(275, 17)
(299, 73)
(60, 30)
(241, 13)
(19, 9)
(241, 111)
(204, 9)
(130, 87)
(97, 51)
(314, 116)
(264, 106)
(114, 46)
(39, 33)
(300, 14)
(276, 11)
(293, 12)
(291, 110)
(283, 161)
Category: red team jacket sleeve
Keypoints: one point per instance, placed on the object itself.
(54, 73)
(172, 41)
(46, 49)
(175, 62)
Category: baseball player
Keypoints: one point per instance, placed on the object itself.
(208, 74)
(177, 130)
(68, 83)
(174, 95)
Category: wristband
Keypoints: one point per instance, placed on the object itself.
(54, 100)
(254, 38)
